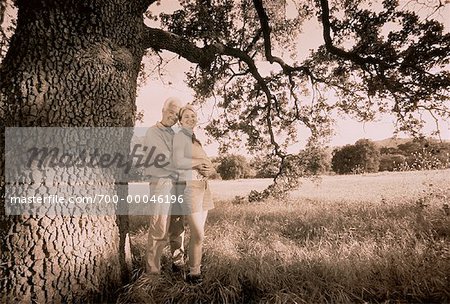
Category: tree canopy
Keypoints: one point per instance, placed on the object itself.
(376, 57)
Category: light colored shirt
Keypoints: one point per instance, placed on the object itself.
(160, 138)
(184, 161)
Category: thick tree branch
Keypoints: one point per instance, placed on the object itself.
(264, 21)
(161, 40)
(158, 39)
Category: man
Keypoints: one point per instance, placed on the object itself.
(163, 222)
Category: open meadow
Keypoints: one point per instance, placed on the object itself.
(377, 238)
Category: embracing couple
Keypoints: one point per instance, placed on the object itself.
(186, 179)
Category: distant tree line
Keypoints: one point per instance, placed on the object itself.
(308, 162)
(364, 156)
(420, 154)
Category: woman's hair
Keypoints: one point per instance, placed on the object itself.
(184, 109)
(180, 115)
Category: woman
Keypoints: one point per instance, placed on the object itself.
(194, 168)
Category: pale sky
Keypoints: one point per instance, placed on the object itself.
(152, 95)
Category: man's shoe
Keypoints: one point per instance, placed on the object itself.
(176, 268)
(194, 279)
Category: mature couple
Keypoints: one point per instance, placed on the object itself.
(186, 177)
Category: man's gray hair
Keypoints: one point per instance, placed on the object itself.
(171, 101)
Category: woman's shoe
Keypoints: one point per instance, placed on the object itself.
(194, 279)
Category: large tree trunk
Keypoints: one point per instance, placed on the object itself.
(70, 64)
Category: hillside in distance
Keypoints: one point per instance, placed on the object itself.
(394, 142)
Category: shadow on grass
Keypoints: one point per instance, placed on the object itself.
(250, 279)
(311, 254)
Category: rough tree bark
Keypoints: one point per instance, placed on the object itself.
(70, 64)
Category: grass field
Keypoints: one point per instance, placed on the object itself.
(381, 238)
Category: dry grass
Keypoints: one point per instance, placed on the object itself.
(393, 247)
